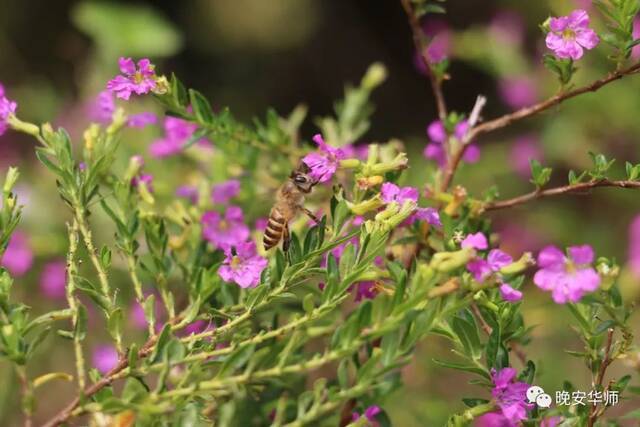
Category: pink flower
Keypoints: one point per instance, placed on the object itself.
(568, 278)
(7, 108)
(436, 150)
(102, 108)
(509, 294)
(510, 395)
(507, 27)
(242, 265)
(229, 230)
(18, 256)
(189, 192)
(197, 327)
(634, 246)
(105, 358)
(225, 191)
(481, 268)
(518, 92)
(392, 193)
(370, 414)
(53, 279)
(145, 178)
(141, 120)
(138, 80)
(325, 162)
(570, 34)
(525, 149)
(635, 51)
(365, 290)
(439, 36)
(475, 241)
(261, 224)
(430, 215)
(177, 133)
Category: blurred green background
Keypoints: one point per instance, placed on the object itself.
(253, 54)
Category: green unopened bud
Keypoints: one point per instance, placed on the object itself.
(145, 194)
(118, 120)
(24, 127)
(525, 261)
(91, 136)
(350, 163)
(608, 275)
(448, 261)
(375, 76)
(405, 211)
(373, 154)
(400, 162)
(162, 86)
(47, 131)
(367, 206)
(546, 25)
(10, 180)
(133, 169)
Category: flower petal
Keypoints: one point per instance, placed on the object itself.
(551, 256)
(582, 254)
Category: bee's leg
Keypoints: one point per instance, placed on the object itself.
(310, 215)
(286, 238)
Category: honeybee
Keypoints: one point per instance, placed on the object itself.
(289, 202)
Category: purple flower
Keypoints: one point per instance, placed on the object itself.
(261, 224)
(197, 327)
(141, 120)
(189, 192)
(229, 230)
(438, 135)
(568, 278)
(481, 268)
(370, 414)
(570, 34)
(392, 193)
(225, 191)
(509, 294)
(634, 246)
(137, 316)
(366, 290)
(102, 108)
(475, 241)
(7, 108)
(53, 279)
(177, 134)
(325, 162)
(508, 27)
(510, 396)
(145, 178)
(439, 36)
(242, 265)
(430, 215)
(18, 256)
(138, 80)
(518, 92)
(635, 51)
(525, 149)
(105, 358)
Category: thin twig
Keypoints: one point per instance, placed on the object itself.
(526, 112)
(420, 42)
(593, 413)
(567, 189)
(454, 161)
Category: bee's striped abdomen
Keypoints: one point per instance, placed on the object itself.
(275, 229)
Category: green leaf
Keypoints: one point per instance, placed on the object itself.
(115, 323)
(80, 330)
(201, 107)
(467, 332)
(462, 367)
(134, 390)
(236, 360)
(539, 175)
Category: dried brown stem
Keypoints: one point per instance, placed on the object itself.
(593, 412)
(567, 189)
(420, 42)
(526, 112)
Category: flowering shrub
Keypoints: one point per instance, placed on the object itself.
(314, 335)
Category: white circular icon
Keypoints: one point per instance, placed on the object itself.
(543, 400)
(533, 392)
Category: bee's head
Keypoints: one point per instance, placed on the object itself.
(301, 178)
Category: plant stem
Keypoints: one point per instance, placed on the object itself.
(606, 361)
(568, 189)
(73, 303)
(420, 43)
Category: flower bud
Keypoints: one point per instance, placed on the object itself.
(608, 275)
(90, 136)
(366, 206)
(24, 127)
(400, 162)
(162, 86)
(525, 261)
(459, 196)
(10, 180)
(375, 76)
(448, 261)
(350, 163)
(135, 165)
(369, 182)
